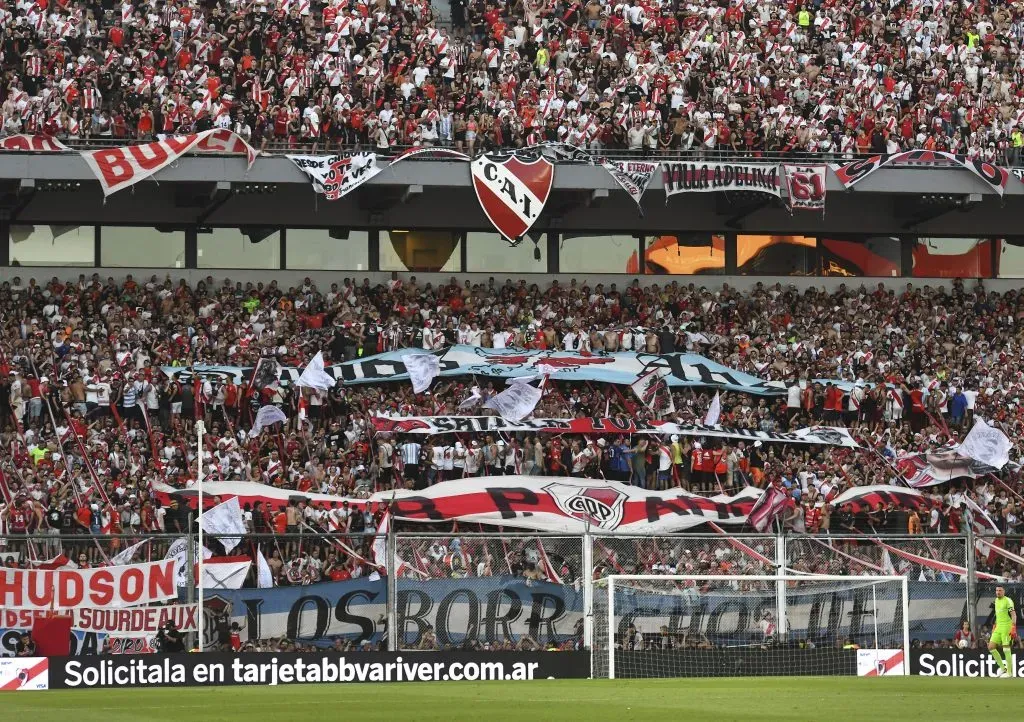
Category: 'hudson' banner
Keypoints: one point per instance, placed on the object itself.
(826, 436)
(335, 176)
(122, 586)
(122, 167)
(623, 367)
(563, 504)
(711, 177)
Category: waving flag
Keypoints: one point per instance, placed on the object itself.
(266, 416)
(314, 376)
(422, 369)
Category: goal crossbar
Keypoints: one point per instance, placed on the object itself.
(781, 581)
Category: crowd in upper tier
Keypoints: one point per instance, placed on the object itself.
(829, 77)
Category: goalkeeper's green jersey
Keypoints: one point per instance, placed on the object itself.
(1004, 605)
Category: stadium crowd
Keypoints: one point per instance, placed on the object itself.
(834, 78)
(89, 422)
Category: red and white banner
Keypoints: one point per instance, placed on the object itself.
(993, 176)
(124, 586)
(512, 192)
(567, 505)
(123, 167)
(133, 622)
(247, 492)
(713, 177)
(867, 498)
(432, 425)
(806, 186)
(34, 143)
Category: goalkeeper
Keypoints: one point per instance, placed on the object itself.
(1004, 631)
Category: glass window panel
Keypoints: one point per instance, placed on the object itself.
(141, 247)
(314, 249)
(874, 256)
(765, 255)
(587, 253)
(52, 245)
(230, 248)
(1011, 259)
(422, 251)
(490, 253)
(953, 258)
(683, 254)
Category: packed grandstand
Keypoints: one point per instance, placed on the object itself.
(102, 388)
(756, 77)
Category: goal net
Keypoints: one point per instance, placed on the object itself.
(726, 626)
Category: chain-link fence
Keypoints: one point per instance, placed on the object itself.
(320, 586)
(479, 591)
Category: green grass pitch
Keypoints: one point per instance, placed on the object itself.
(829, 699)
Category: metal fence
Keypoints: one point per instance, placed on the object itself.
(519, 591)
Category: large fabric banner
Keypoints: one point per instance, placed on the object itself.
(512, 191)
(494, 609)
(64, 588)
(712, 177)
(335, 176)
(122, 167)
(432, 425)
(866, 498)
(567, 505)
(806, 186)
(247, 492)
(35, 143)
(624, 367)
(940, 466)
(633, 176)
(993, 176)
(131, 622)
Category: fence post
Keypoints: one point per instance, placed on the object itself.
(587, 572)
(782, 623)
(391, 570)
(972, 575)
(190, 557)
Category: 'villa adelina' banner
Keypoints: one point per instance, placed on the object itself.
(712, 177)
(826, 436)
(624, 367)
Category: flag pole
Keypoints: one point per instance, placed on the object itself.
(200, 429)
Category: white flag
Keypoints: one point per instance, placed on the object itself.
(264, 577)
(516, 402)
(632, 176)
(225, 519)
(178, 551)
(314, 376)
(986, 444)
(128, 554)
(422, 368)
(542, 370)
(474, 398)
(715, 410)
(266, 416)
(227, 574)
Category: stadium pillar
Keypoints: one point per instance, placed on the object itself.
(373, 250)
(191, 247)
(554, 262)
(190, 551)
(5, 246)
(730, 253)
(907, 256)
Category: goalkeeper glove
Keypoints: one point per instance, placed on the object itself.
(1013, 632)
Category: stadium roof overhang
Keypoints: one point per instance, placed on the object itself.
(217, 191)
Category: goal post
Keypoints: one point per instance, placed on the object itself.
(749, 625)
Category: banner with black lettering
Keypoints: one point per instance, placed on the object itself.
(633, 176)
(335, 176)
(713, 177)
(434, 425)
(806, 186)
